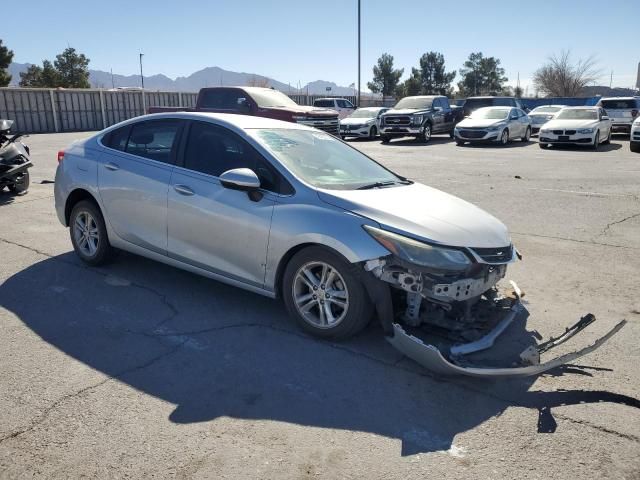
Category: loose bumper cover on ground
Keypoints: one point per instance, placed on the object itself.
(462, 317)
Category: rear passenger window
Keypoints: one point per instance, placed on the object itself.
(153, 140)
(117, 139)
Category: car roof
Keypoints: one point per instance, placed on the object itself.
(582, 107)
(331, 98)
(241, 122)
(488, 96)
(619, 98)
(546, 106)
(371, 108)
(496, 107)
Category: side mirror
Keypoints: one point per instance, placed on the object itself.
(437, 109)
(243, 179)
(605, 117)
(243, 106)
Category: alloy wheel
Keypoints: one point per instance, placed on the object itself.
(86, 234)
(320, 294)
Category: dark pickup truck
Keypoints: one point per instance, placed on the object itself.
(259, 102)
(419, 117)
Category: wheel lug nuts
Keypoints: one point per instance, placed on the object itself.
(315, 297)
(322, 286)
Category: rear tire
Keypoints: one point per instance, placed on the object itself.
(21, 186)
(324, 295)
(89, 234)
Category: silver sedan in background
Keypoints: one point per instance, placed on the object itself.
(494, 124)
(541, 115)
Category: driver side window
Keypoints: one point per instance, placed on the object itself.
(213, 150)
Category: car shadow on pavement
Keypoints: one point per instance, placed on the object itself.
(511, 144)
(408, 141)
(578, 148)
(214, 350)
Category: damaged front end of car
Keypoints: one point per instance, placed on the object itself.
(441, 306)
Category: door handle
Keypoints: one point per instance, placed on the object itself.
(183, 190)
(111, 166)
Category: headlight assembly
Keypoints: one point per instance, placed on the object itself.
(585, 130)
(420, 253)
(417, 120)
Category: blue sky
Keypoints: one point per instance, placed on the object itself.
(303, 41)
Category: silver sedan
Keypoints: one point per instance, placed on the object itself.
(288, 211)
(494, 125)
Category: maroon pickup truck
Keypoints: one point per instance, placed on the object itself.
(259, 102)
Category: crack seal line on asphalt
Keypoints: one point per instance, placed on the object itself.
(394, 365)
(589, 242)
(47, 411)
(617, 222)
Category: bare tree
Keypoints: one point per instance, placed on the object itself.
(561, 77)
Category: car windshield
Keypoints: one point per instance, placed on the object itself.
(414, 102)
(323, 161)
(272, 98)
(577, 114)
(619, 104)
(490, 113)
(323, 103)
(546, 110)
(363, 113)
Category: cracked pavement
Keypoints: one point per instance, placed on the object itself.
(138, 369)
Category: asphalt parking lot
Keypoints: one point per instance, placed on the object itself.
(139, 369)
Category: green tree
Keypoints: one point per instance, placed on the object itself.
(434, 79)
(385, 77)
(411, 86)
(481, 76)
(73, 69)
(6, 56)
(45, 76)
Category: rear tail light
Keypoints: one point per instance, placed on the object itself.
(634, 113)
(60, 156)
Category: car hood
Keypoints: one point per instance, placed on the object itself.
(479, 122)
(570, 123)
(423, 213)
(356, 121)
(406, 111)
(305, 110)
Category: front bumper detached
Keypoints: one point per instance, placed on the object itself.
(453, 363)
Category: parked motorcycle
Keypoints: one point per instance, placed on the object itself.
(14, 160)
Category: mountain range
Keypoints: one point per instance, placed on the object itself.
(207, 77)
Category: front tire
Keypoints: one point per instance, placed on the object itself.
(608, 140)
(89, 234)
(543, 146)
(425, 136)
(596, 141)
(527, 135)
(373, 133)
(504, 137)
(21, 185)
(324, 295)
(634, 147)
(385, 138)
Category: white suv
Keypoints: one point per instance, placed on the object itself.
(341, 105)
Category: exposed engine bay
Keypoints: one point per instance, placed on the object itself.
(442, 319)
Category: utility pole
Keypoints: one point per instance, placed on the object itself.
(141, 76)
(611, 79)
(113, 85)
(358, 53)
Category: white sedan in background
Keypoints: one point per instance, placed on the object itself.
(589, 126)
(493, 124)
(634, 143)
(541, 115)
(362, 123)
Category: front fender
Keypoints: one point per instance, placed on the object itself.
(297, 224)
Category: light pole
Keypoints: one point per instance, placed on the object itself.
(358, 53)
(141, 76)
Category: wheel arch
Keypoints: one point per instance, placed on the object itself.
(74, 197)
(286, 258)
